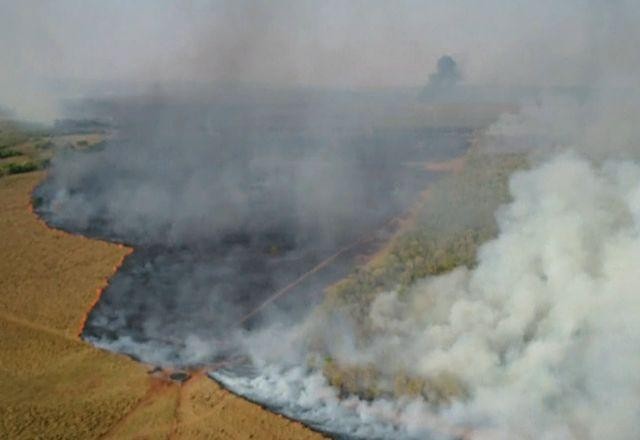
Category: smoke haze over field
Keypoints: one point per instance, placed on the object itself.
(72, 48)
(228, 198)
(245, 156)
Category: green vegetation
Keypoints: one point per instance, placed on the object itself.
(457, 217)
(17, 168)
(23, 167)
(23, 147)
(4, 154)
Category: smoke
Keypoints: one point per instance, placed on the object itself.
(537, 341)
(302, 162)
(540, 334)
(231, 193)
(444, 79)
(229, 197)
(229, 178)
(74, 49)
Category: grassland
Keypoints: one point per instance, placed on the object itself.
(54, 385)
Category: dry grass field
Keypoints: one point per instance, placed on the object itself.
(53, 385)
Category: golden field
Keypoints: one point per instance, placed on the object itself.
(54, 385)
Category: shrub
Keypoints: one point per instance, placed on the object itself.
(9, 153)
(18, 168)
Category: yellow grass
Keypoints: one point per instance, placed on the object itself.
(53, 385)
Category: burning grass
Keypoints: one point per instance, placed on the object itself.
(53, 385)
(100, 290)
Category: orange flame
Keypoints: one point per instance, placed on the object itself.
(105, 281)
(100, 290)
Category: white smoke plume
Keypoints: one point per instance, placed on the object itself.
(542, 332)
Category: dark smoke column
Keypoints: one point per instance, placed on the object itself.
(443, 80)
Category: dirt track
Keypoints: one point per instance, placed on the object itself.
(53, 385)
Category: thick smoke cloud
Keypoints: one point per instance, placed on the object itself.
(541, 332)
(539, 337)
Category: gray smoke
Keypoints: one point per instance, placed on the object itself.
(443, 80)
(73, 48)
(184, 170)
(219, 160)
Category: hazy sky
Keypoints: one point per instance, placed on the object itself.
(334, 42)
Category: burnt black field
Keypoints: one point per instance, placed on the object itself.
(228, 201)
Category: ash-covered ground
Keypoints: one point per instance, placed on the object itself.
(229, 199)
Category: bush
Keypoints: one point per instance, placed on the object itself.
(18, 168)
(9, 153)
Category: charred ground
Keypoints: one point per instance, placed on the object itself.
(229, 201)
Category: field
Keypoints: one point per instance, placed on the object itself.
(54, 385)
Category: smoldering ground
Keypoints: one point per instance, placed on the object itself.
(228, 199)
